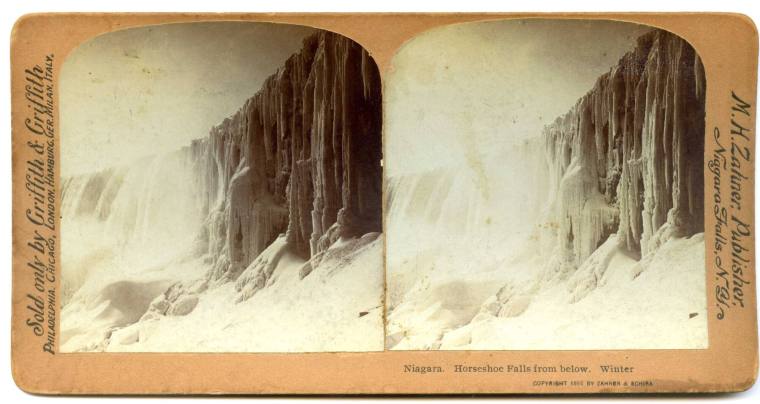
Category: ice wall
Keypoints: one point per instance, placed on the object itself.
(301, 157)
(627, 158)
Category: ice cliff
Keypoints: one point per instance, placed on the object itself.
(301, 157)
(627, 158)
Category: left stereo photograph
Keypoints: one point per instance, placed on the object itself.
(221, 191)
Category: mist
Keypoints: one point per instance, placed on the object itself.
(149, 90)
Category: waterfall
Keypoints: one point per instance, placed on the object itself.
(477, 213)
(143, 213)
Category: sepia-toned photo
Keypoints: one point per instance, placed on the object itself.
(221, 191)
(246, 203)
(545, 188)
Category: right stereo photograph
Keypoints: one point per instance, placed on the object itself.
(544, 188)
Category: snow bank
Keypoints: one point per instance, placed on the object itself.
(335, 308)
(653, 304)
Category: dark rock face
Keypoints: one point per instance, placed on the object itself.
(301, 157)
(628, 157)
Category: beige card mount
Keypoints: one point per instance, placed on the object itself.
(383, 203)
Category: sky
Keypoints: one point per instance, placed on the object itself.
(461, 92)
(148, 90)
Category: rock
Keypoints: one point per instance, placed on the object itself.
(515, 306)
(159, 305)
(184, 305)
(259, 272)
(199, 286)
(150, 316)
(491, 306)
(305, 270)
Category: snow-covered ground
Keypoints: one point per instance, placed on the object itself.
(613, 301)
(468, 270)
(131, 238)
(334, 308)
